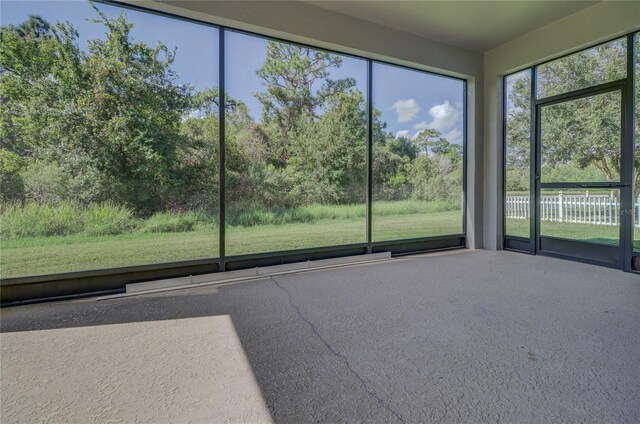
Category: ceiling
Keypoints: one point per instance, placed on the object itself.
(476, 25)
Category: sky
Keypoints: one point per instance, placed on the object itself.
(410, 101)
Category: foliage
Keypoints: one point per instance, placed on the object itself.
(115, 106)
(38, 220)
(165, 222)
(102, 127)
(581, 137)
(63, 219)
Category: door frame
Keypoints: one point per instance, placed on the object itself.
(583, 251)
(630, 257)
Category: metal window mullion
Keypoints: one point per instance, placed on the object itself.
(221, 151)
(534, 167)
(504, 161)
(369, 159)
(465, 185)
(628, 156)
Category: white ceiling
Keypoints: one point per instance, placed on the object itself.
(476, 25)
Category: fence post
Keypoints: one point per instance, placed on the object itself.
(638, 211)
(560, 207)
(613, 220)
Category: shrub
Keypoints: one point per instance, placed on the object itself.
(108, 219)
(45, 183)
(166, 222)
(250, 214)
(35, 220)
(63, 219)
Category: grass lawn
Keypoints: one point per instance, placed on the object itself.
(606, 234)
(44, 255)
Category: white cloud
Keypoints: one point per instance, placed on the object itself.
(444, 116)
(421, 126)
(406, 109)
(402, 133)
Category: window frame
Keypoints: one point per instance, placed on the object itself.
(111, 280)
(627, 85)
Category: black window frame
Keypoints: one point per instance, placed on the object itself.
(631, 260)
(111, 280)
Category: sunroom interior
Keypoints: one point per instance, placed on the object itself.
(319, 211)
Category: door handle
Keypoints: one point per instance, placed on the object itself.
(611, 185)
(619, 185)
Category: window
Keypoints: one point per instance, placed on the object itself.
(418, 138)
(296, 140)
(109, 140)
(580, 139)
(583, 172)
(598, 65)
(111, 148)
(517, 153)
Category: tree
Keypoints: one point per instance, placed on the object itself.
(327, 161)
(583, 133)
(290, 73)
(114, 110)
(425, 139)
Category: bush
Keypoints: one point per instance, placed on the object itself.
(247, 215)
(45, 183)
(250, 214)
(166, 222)
(35, 220)
(107, 219)
(104, 219)
(63, 219)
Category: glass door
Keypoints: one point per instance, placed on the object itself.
(582, 184)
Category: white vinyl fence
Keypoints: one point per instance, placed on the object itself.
(597, 209)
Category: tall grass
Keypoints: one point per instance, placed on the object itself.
(247, 215)
(34, 220)
(107, 219)
(64, 219)
(167, 222)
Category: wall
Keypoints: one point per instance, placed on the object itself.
(598, 23)
(305, 23)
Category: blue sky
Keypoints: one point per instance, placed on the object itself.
(409, 101)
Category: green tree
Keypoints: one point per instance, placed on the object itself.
(327, 160)
(582, 134)
(113, 110)
(290, 74)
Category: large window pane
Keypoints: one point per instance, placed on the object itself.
(583, 69)
(109, 138)
(417, 154)
(295, 147)
(585, 215)
(581, 140)
(518, 153)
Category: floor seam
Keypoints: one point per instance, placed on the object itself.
(337, 354)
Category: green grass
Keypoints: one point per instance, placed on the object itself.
(44, 255)
(64, 219)
(605, 234)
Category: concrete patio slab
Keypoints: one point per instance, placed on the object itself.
(466, 337)
(185, 370)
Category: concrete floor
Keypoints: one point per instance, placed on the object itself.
(466, 337)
